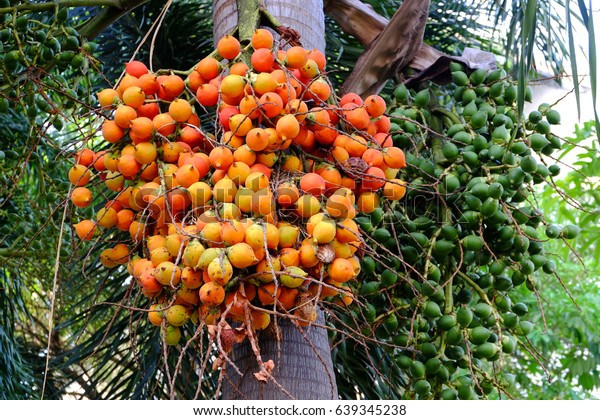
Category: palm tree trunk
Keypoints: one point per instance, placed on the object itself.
(305, 16)
(302, 357)
(302, 370)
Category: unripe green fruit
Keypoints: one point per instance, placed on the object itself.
(509, 344)
(401, 94)
(369, 288)
(390, 323)
(432, 310)
(446, 322)
(479, 120)
(543, 127)
(368, 265)
(468, 96)
(460, 78)
(450, 151)
(422, 387)
(388, 278)
(464, 316)
(472, 243)
(524, 328)
(553, 117)
(486, 350)
(496, 89)
(535, 117)
(549, 267)
(528, 164)
(478, 76)
(480, 335)
(422, 98)
(510, 319)
(510, 94)
(501, 133)
(417, 369)
(482, 310)
(443, 247)
(570, 231)
(449, 394)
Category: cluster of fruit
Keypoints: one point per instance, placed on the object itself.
(452, 259)
(249, 211)
(34, 46)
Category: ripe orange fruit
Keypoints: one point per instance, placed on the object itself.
(149, 84)
(318, 57)
(310, 70)
(394, 157)
(313, 183)
(212, 294)
(200, 193)
(238, 68)
(240, 124)
(106, 217)
(111, 132)
(220, 158)
(164, 124)
(394, 190)
(134, 96)
(262, 59)
(79, 175)
(145, 153)
(208, 68)
(107, 97)
(228, 47)
(271, 104)
(232, 232)
(85, 229)
(307, 205)
(128, 166)
(180, 110)
(167, 273)
(224, 191)
(171, 86)
(296, 57)
(263, 83)
(373, 157)
(136, 68)
(357, 117)
(268, 293)
(373, 179)
(262, 38)
(288, 127)
(367, 202)
(375, 106)
(124, 219)
(207, 94)
(81, 197)
(241, 255)
(249, 106)
(260, 319)
(341, 270)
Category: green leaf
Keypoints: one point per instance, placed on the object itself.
(573, 55)
(527, 45)
(592, 58)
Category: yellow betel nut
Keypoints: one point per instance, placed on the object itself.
(324, 232)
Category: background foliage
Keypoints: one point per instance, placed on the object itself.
(93, 346)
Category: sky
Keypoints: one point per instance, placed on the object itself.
(550, 92)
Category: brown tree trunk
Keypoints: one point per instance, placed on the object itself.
(302, 370)
(303, 367)
(305, 16)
